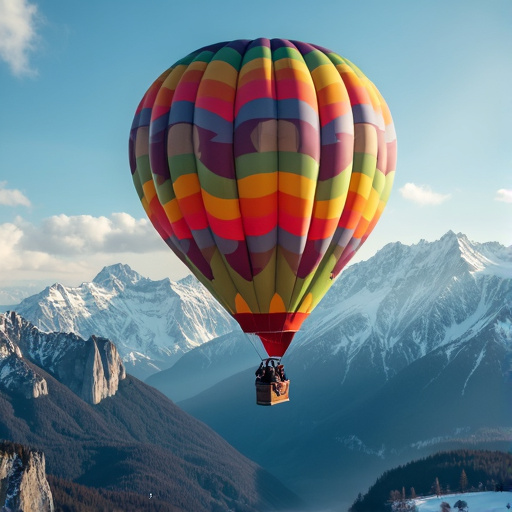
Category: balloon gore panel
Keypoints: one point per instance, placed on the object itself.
(264, 165)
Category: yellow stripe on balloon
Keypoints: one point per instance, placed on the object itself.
(360, 183)
(197, 65)
(257, 185)
(371, 205)
(173, 78)
(329, 209)
(299, 69)
(149, 190)
(325, 75)
(305, 306)
(187, 185)
(223, 209)
(296, 185)
(261, 63)
(222, 72)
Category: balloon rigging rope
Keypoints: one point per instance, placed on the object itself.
(253, 346)
(256, 350)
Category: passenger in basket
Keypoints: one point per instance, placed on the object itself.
(260, 372)
(281, 373)
(270, 374)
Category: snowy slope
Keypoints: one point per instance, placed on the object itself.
(409, 353)
(385, 313)
(407, 301)
(477, 501)
(153, 323)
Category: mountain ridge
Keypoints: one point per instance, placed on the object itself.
(132, 440)
(152, 323)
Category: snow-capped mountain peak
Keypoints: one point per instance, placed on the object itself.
(153, 323)
(118, 274)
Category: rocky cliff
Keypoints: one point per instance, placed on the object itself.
(90, 368)
(23, 484)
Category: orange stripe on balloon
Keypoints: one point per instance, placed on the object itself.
(159, 214)
(357, 92)
(258, 185)
(333, 93)
(258, 207)
(359, 203)
(240, 305)
(295, 205)
(277, 304)
(162, 103)
(225, 209)
(172, 210)
(332, 111)
(187, 185)
(297, 90)
(216, 89)
(293, 75)
(256, 74)
(361, 228)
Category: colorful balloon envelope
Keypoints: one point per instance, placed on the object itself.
(264, 165)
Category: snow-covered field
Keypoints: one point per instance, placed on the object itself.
(477, 502)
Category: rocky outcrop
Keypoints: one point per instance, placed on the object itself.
(15, 373)
(103, 370)
(90, 368)
(23, 484)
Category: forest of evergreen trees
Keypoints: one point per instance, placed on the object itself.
(441, 473)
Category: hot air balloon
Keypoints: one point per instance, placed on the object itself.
(264, 165)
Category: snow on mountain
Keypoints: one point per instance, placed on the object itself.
(407, 301)
(409, 353)
(153, 323)
(381, 315)
(91, 368)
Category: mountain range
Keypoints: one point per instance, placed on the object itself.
(152, 323)
(408, 353)
(131, 439)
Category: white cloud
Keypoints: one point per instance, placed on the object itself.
(504, 195)
(422, 194)
(12, 197)
(63, 235)
(73, 249)
(18, 19)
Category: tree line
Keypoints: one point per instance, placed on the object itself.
(441, 473)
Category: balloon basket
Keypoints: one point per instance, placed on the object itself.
(272, 393)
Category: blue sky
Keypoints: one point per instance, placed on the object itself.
(73, 72)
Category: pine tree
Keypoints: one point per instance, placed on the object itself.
(437, 487)
(463, 481)
(413, 493)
